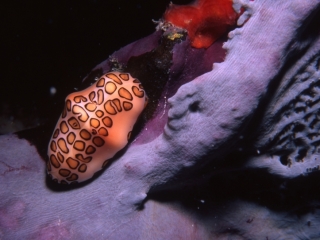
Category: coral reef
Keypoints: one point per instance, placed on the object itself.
(235, 156)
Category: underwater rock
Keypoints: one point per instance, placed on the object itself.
(220, 168)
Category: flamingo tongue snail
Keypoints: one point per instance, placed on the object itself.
(95, 124)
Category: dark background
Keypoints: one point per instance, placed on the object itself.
(54, 43)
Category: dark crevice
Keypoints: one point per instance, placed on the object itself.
(151, 69)
(255, 185)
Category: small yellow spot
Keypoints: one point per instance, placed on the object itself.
(175, 36)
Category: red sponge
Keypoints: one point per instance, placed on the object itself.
(205, 20)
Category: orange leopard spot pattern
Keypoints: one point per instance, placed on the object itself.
(95, 124)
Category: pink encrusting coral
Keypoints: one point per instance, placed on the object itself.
(205, 20)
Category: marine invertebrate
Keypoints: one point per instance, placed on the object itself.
(95, 124)
(205, 20)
